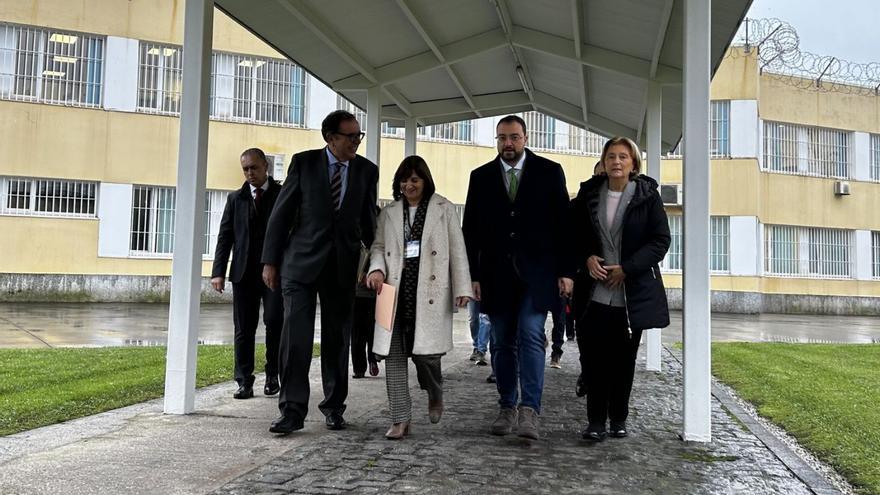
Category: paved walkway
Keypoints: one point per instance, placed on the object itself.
(225, 448)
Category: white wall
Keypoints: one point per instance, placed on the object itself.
(114, 219)
(744, 124)
(745, 243)
(484, 132)
(863, 255)
(321, 100)
(121, 73)
(861, 160)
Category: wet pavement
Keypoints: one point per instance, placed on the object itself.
(123, 324)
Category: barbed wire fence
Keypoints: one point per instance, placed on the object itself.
(779, 55)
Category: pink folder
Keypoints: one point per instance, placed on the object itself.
(386, 305)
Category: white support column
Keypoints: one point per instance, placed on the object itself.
(696, 295)
(189, 232)
(374, 123)
(652, 128)
(410, 137)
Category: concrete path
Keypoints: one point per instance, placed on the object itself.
(115, 324)
(225, 447)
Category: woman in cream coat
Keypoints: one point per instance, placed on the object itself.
(419, 249)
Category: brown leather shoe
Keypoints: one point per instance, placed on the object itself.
(435, 410)
(397, 431)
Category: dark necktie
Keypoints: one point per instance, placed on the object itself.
(258, 195)
(336, 186)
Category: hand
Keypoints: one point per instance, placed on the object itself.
(615, 276)
(218, 283)
(462, 301)
(271, 277)
(477, 296)
(375, 280)
(594, 265)
(565, 286)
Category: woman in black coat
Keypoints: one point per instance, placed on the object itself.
(621, 235)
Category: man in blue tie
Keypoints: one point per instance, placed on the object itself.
(515, 224)
(325, 212)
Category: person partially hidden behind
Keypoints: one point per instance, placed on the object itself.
(325, 212)
(242, 230)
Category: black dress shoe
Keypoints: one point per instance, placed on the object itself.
(244, 392)
(286, 423)
(335, 421)
(618, 430)
(594, 433)
(358, 375)
(272, 387)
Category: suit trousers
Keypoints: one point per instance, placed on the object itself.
(608, 361)
(363, 323)
(298, 336)
(246, 298)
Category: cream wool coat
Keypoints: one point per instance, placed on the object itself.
(443, 272)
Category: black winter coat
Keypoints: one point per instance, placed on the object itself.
(644, 242)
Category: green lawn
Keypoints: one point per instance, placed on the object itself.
(826, 396)
(46, 386)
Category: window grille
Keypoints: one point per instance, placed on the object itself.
(389, 130)
(160, 78)
(258, 90)
(875, 255)
(808, 251)
(451, 132)
(360, 115)
(719, 128)
(152, 220)
(875, 157)
(719, 244)
(48, 197)
(51, 66)
(585, 142)
(805, 150)
(541, 130)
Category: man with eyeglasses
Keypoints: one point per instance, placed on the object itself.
(325, 212)
(515, 231)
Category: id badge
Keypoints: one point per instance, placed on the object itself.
(412, 249)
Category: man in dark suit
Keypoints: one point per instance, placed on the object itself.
(242, 230)
(515, 231)
(325, 212)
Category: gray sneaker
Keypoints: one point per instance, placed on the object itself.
(474, 355)
(528, 423)
(503, 424)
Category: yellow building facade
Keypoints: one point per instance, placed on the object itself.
(89, 104)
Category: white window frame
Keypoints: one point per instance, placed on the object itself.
(165, 74)
(719, 129)
(36, 65)
(719, 245)
(541, 130)
(83, 198)
(807, 150)
(875, 255)
(674, 259)
(875, 157)
(808, 252)
(461, 132)
(240, 93)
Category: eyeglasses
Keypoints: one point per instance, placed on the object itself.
(354, 137)
(513, 138)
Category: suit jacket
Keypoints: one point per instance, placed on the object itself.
(239, 217)
(304, 229)
(443, 272)
(518, 244)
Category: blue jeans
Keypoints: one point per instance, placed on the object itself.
(518, 354)
(479, 324)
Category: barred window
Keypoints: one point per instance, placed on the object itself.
(48, 197)
(673, 261)
(451, 132)
(719, 128)
(160, 78)
(808, 251)
(541, 130)
(875, 157)
(343, 104)
(805, 150)
(389, 130)
(875, 255)
(50, 66)
(152, 220)
(585, 142)
(719, 244)
(255, 89)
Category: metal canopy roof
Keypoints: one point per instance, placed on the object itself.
(586, 62)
